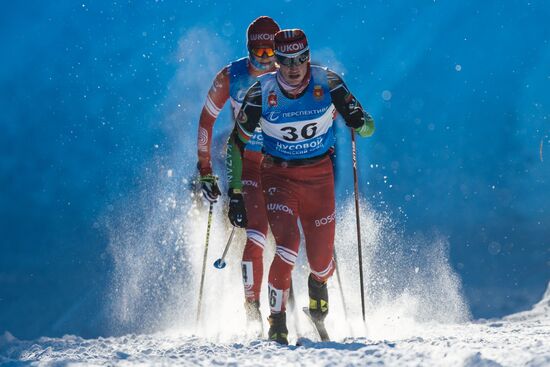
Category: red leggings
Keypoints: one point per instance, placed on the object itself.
(256, 230)
(305, 193)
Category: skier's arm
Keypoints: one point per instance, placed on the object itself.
(236, 211)
(233, 163)
(349, 107)
(215, 100)
(247, 120)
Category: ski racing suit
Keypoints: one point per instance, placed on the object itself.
(231, 83)
(297, 173)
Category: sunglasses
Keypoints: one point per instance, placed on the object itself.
(260, 52)
(293, 61)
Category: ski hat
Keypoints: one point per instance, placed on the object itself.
(260, 32)
(290, 42)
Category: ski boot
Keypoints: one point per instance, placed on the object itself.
(254, 317)
(277, 328)
(318, 299)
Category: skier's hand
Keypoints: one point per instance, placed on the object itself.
(367, 129)
(357, 118)
(237, 210)
(209, 187)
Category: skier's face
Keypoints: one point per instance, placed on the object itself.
(293, 74)
(294, 69)
(263, 57)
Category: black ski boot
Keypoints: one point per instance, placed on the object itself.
(277, 328)
(254, 317)
(318, 299)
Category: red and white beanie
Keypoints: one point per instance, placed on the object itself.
(290, 42)
(260, 33)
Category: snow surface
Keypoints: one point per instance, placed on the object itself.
(522, 339)
(416, 314)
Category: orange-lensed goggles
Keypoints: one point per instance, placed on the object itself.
(260, 52)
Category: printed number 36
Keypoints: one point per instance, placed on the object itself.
(307, 132)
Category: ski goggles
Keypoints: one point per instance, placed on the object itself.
(260, 52)
(293, 61)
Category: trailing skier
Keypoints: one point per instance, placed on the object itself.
(231, 83)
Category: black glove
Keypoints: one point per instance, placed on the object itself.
(237, 210)
(209, 188)
(356, 118)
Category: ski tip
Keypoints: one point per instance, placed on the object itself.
(319, 326)
(219, 264)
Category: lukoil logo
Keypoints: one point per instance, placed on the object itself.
(297, 46)
(276, 207)
(261, 37)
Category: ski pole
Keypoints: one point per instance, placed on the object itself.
(356, 192)
(220, 263)
(204, 260)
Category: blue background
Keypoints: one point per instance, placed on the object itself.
(92, 95)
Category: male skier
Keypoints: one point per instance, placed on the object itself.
(295, 107)
(231, 83)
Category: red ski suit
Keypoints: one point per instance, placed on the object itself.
(298, 189)
(222, 89)
(304, 193)
(256, 229)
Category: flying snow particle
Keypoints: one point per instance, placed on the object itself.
(494, 248)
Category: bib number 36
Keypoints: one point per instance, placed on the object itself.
(308, 131)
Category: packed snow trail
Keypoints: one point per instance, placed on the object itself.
(518, 340)
(416, 314)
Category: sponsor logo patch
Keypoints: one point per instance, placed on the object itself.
(261, 37)
(291, 47)
(300, 148)
(250, 183)
(317, 111)
(325, 220)
(273, 115)
(276, 207)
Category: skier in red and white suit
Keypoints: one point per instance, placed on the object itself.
(295, 108)
(231, 83)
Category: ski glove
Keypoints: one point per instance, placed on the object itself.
(209, 188)
(237, 210)
(367, 129)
